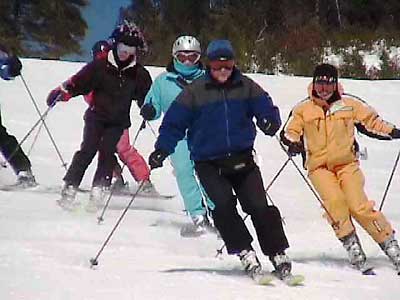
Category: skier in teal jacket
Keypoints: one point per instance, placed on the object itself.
(183, 69)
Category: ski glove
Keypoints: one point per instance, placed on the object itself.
(395, 134)
(56, 95)
(295, 148)
(10, 68)
(15, 66)
(157, 158)
(268, 127)
(148, 112)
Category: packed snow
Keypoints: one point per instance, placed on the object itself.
(45, 251)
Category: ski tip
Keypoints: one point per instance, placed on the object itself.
(295, 280)
(264, 279)
(369, 271)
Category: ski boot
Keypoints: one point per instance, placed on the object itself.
(149, 189)
(282, 265)
(201, 225)
(96, 199)
(392, 250)
(253, 268)
(68, 197)
(119, 186)
(250, 262)
(356, 254)
(283, 269)
(25, 179)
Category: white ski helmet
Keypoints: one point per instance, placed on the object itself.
(186, 43)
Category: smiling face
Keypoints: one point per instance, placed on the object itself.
(124, 51)
(325, 87)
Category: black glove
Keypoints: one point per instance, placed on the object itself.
(156, 158)
(295, 148)
(268, 127)
(148, 112)
(395, 134)
(15, 66)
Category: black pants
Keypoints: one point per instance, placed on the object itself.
(12, 152)
(97, 136)
(241, 174)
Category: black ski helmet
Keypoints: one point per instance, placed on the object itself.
(99, 46)
(129, 35)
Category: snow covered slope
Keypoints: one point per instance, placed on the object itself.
(45, 251)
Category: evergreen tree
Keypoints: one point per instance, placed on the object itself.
(49, 28)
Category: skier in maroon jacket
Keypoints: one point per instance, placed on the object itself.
(127, 153)
(114, 82)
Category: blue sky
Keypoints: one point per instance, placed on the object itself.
(100, 16)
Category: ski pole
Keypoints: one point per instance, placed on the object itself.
(94, 261)
(152, 130)
(35, 139)
(390, 180)
(64, 164)
(100, 219)
(335, 224)
(28, 134)
(219, 251)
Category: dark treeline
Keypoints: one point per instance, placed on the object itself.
(42, 28)
(269, 36)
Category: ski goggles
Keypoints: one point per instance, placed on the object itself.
(187, 56)
(219, 65)
(131, 50)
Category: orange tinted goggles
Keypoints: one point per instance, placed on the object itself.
(218, 65)
(192, 57)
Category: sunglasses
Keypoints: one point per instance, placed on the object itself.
(219, 65)
(190, 56)
(325, 80)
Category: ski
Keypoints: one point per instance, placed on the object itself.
(262, 278)
(291, 279)
(57, 189)
(36, 188)
(128, 192)
(192, 231)
(369, 271)
(366, 269)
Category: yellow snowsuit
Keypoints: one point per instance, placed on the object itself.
(333, 168)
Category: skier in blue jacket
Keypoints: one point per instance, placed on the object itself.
(183, 69)
(10, 67)
(216, 115)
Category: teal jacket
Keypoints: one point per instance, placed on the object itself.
(168, 85)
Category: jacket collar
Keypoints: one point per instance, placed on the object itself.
(112, 61)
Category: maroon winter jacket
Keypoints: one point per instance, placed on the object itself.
(112, 89)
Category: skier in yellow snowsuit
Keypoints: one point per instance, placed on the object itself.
(322, 127)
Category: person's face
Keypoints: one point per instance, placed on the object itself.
(124, 51)
(188, 58)
(324, 87)
(221, 70)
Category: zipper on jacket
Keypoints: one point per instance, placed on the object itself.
(228, 141)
